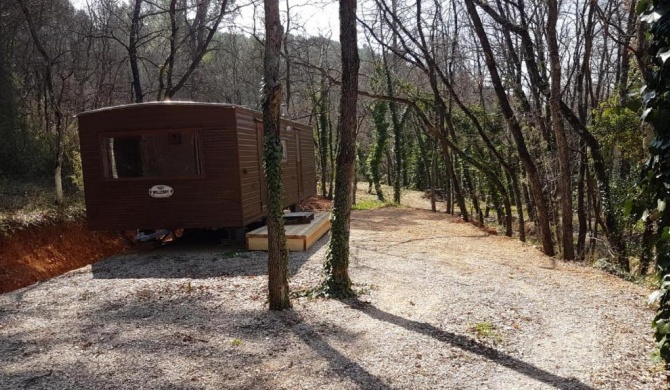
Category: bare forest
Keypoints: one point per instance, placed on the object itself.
(528, 118)
(511, 110)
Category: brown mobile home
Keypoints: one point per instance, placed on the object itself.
(169, 165)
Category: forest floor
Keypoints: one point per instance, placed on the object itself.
(442, 305)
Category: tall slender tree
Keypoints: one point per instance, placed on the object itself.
(565, 183)
(272, 159)
(337, 283)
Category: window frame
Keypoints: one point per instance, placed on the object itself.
(104, 157)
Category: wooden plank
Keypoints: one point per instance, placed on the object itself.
(261, 244)
(312, 238)
(298, 237)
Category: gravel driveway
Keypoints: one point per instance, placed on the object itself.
(441, 305)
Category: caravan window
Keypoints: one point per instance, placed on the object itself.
(152, 154)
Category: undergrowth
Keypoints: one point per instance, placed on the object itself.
(25, 203)
(372, 204)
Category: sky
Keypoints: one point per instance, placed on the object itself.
(308, 17)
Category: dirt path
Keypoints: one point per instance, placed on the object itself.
(442, 306)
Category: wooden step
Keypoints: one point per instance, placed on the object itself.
(298, 237)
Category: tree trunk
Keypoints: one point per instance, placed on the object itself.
(323, 126)
(379, 110)
(278, 291)
(456, 186)
(433, 174)
(516, 192)
(451, 171)
(581, 209)
(430, 172)
(530, 206)
(58, 172)
(448, 189)
(337, 283)
(331, 156)
(495, 198)
(564, 176)
(138, 95)
(397, 126)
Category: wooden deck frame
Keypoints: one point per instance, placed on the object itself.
(298, 237)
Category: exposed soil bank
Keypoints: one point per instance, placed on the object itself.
(41, 252)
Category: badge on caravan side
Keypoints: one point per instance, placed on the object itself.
(161, 191)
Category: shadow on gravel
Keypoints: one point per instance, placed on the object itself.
(339, 363)
(195, 260)
(62, 378)
(472, 346)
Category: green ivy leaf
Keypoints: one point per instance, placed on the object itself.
(628, 206)
(665, 236)
(662, 327)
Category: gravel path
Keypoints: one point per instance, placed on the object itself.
(442, 305)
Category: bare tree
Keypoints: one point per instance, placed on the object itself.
(272, 158)
(199, 33)
(565, 183)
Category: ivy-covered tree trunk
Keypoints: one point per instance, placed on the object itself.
(278, 292)
(397, 147)
(379, 110)
(395, 120)
(324, 128)
(337, 283)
